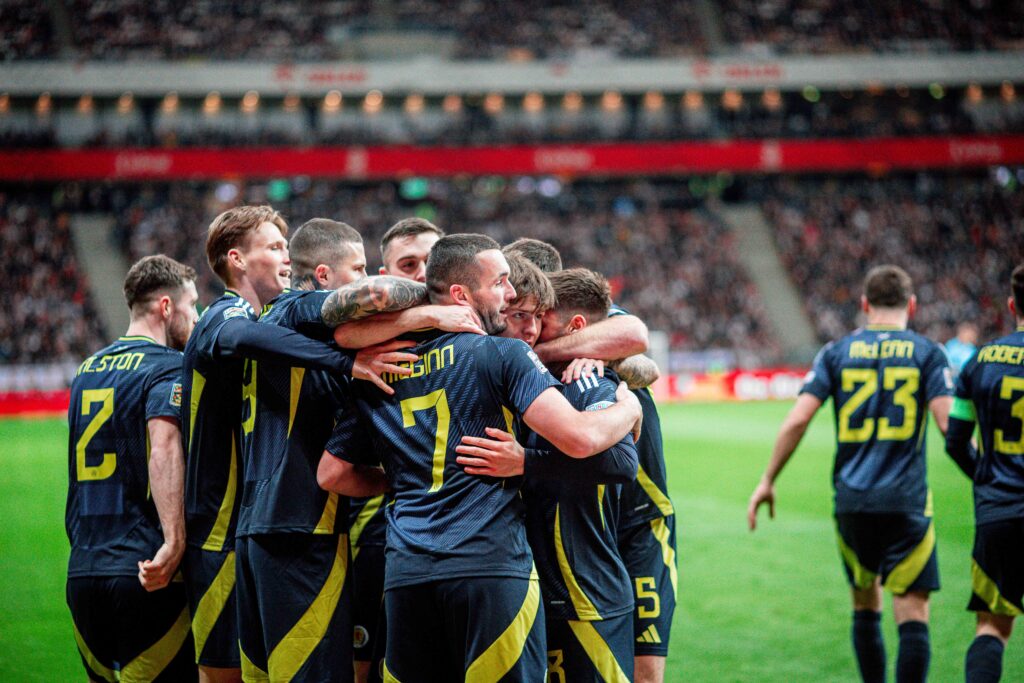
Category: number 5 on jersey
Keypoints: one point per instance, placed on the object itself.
(438, 401)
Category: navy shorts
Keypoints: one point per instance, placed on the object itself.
(368, 602)
(125, 633)
(472, 629)
(590, 651)
(649, 553)
(896, 547)
(294, 607)
(210, 586)
(997, 568)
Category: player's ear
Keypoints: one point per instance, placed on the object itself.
(577, 323)
(166, 306)
(1012, 305)
(459, 294)
(235, 259)
(382, 271)
(322, 273)
(863, 303)
(912, 306)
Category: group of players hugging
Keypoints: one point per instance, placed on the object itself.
(335, 477)
(449, 471)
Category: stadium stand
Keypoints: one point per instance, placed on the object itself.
(47, 314)
(958, 235)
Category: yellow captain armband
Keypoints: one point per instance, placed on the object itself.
(963, 409)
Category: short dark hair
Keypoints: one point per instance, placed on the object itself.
(888, 286)
(1017, 287)
(528, 280)
(452, 261)
(232, 228)
(319, 240)
(151, 276)
(581, 291)
(406, 228)
(542, 254)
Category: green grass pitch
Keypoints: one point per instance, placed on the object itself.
(768, 606)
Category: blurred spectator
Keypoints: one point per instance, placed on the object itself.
(961, 347)
(47, 314)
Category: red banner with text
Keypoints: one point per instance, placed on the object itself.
(743, 156)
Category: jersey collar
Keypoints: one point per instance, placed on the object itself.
(884, 328)
(137, 337)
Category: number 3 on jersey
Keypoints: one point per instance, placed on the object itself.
(437, 400)
(109, 464)
(863, 382)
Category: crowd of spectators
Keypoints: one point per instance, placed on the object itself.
(835, 26)
(958, 236)
(495, 119)
(47, 313)
(310, 30)
(670, 260)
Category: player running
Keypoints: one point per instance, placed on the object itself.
(990, 392)
(461, 592)
(124, 514)
(883, 379)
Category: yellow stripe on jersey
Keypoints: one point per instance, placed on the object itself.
(326, 523)
(298, 644)
(910, 567)
(198, 384)
(986, 589)
(598, 652)
(212, 603)
(250, 672)
(654, 493)
(600, 503)
(509, 419)
(218, 535)
(862, 577)
(585, 609)
(107, 673)
(148, 665)
(388, 676)
(659, 527)
(501, 655)
(362, 519)
(293, 397)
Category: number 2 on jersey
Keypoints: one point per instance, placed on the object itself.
(109, 464)
(437, 400)
(863, 382)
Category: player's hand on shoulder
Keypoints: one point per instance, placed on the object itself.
(157, 573)
(582, 367)
(370, 363)
(764, 493)
(499, 456)
(454, 319)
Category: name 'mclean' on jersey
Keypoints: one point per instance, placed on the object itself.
(881, 379)
(211, 427)
(646, 497)
(990, 390)
(572, 525)
(443, 523)
(289, 425)
(110, 518)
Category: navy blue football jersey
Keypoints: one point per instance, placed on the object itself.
(990, 391)
(571, 524)
(881, 380)
(211, 427)
(646, 498)
(294, 414)
(442, 522)
(367, 525)
(110, 518)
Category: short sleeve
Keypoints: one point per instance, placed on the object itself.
(163, 396)
(938, 374)
(523, 376)
(305, 314)
(593, 393)
(350, 442)
(615, 310)
(818, 382)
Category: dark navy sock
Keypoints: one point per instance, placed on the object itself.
(914, 654)
(984, 660)
(868, 645)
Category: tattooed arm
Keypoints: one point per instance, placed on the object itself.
(637, 371)
(371, 295)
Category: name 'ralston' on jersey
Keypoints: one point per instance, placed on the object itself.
(444, 523)
(211, 428)
(110, 518)
(572, 525)
(290, 422)
(881, 380)
(991, 390)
